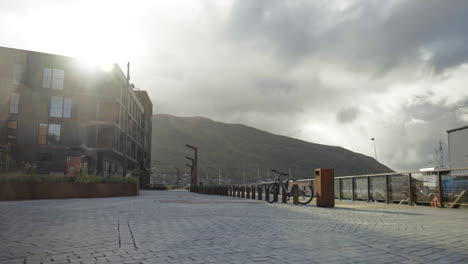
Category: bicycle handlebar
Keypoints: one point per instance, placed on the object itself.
(280, 173)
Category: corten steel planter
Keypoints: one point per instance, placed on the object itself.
(31, 191)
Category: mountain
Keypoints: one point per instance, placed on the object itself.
(239, 152)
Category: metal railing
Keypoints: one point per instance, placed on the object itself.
(440, 188)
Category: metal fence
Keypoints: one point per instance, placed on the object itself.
(441, 188)
(445, 188)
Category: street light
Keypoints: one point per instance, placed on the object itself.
(375, 148)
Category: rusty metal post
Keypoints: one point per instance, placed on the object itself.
(368, 189)
(340, 187)
(275, 196)
(284, 196)
(387, 193)
(259, 196)
(410, 189)
(295, 193)
(440, 189)
(353, 183)
(267, 193)
(253, 192)
(325, 187)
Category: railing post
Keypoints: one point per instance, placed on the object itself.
(295, 192)
(387, 193)
(410, 189)
(259, 192)
(253, 191)
(352, 188)
(440, 189)
(340, 184)
(368, 189)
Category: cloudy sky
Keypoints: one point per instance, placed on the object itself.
(330, 72)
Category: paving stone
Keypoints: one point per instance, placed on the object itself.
(183, 227)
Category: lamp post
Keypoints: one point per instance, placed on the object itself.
(375, 148)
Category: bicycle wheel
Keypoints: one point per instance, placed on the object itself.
(306, 194)
(273, 190)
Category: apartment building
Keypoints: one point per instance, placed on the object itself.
(59, 114)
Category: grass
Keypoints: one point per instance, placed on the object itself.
(44, 178)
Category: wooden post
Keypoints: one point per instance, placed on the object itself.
(259, 192)
(440, 189)
(295, 193)
(387, 193)
(253, 191)
(352, 188)
(368, 189)
(410, 189)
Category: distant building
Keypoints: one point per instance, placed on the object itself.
(458, 147)
(57, 114)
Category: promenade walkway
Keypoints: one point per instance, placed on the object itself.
(183, 227)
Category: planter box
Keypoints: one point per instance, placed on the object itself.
(27, 191)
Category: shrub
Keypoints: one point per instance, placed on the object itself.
(45, 178)
(34, 178)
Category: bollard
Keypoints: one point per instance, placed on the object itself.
(267, 193)
(295, 193)
(275, 196)
(248, 192)
(242, 191)
(253, 192)
(325, 187)
(284, 196)
(259, 189)
(238, 189)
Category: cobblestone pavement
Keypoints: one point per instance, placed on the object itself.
(182, 227)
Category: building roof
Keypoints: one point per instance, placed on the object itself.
(456, 129)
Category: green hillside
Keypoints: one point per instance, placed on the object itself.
(241, 153)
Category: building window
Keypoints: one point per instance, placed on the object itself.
(43, 134)
(60, 107)
(12, 126)
(67, 106)
(17, 73)
(49, 134)
(14, 103)
(53, 136)
(53, 78)
(56, 104)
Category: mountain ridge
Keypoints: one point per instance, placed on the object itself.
(243, 153)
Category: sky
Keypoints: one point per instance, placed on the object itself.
(329, 72)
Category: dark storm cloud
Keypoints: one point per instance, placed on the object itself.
(332, 72)
(372, 35)
(347, 114)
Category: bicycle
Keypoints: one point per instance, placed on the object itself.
(306, 193)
